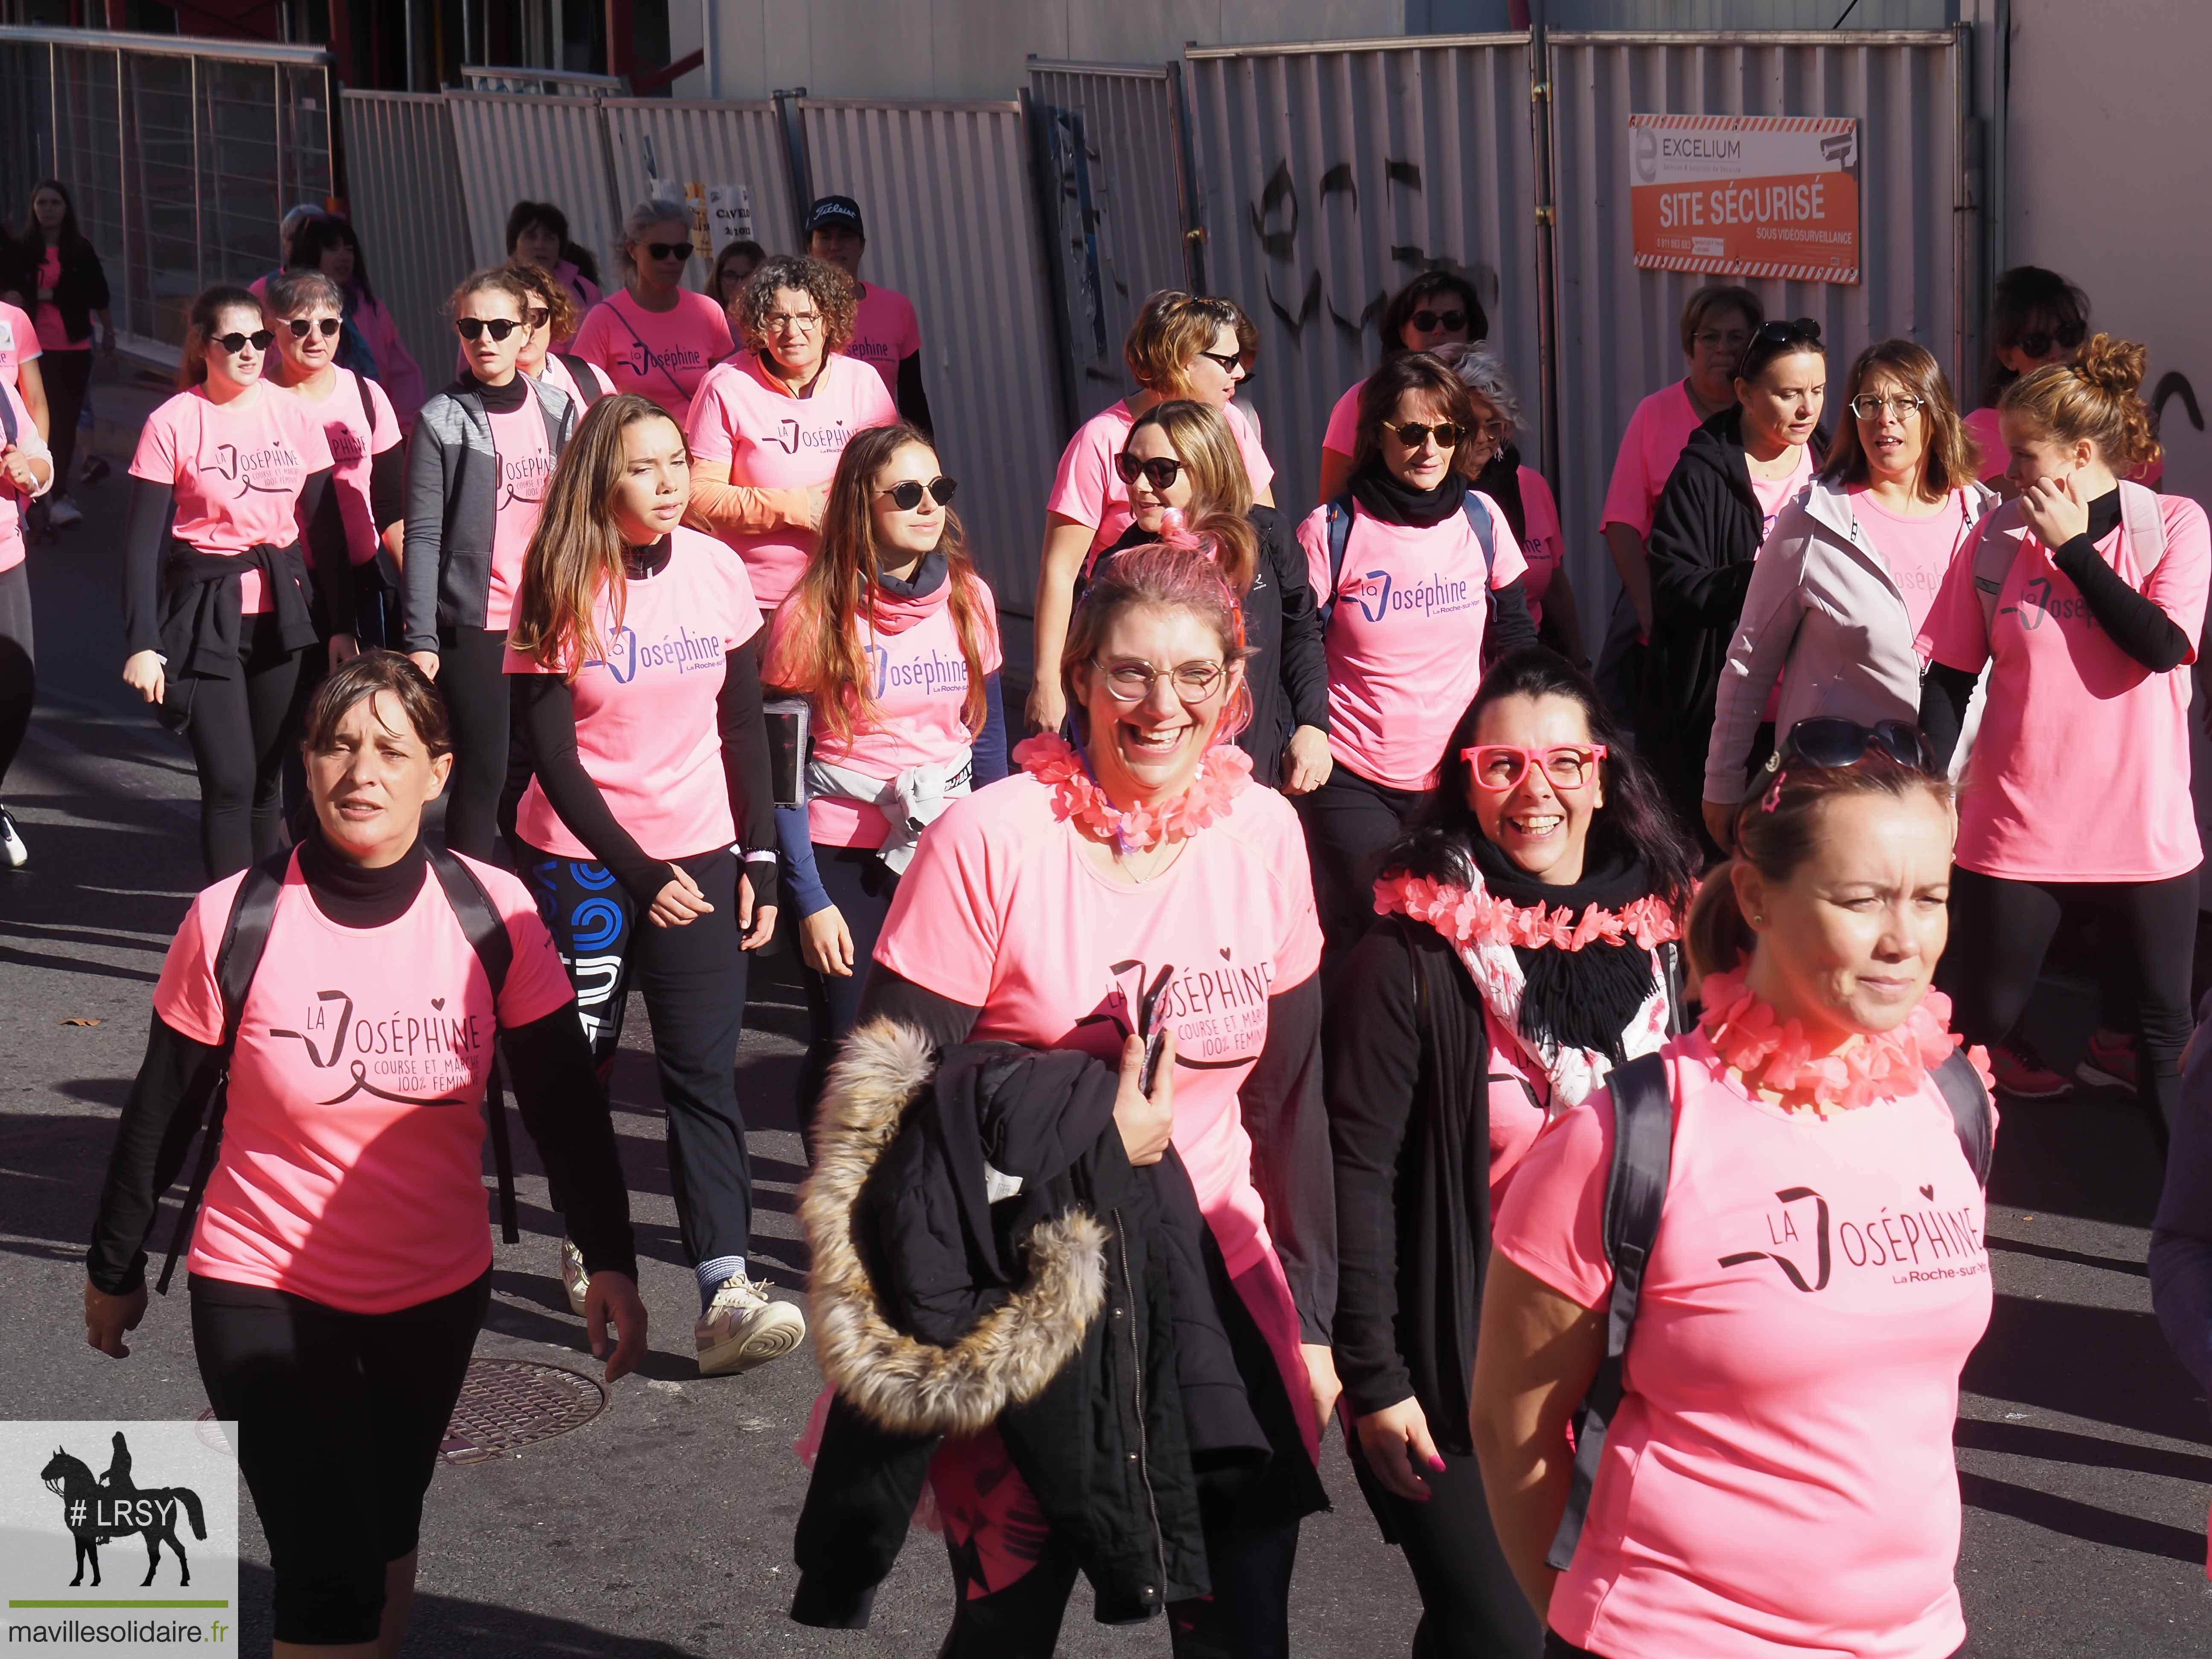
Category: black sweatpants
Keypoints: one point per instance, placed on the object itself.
(2001, 930)
(861, 888)
(19, 680)
(1472, 1606)
(66, 376)
(471, 675)
(239, 730)
(1350, 822)
(339, 1419)
(694, 981)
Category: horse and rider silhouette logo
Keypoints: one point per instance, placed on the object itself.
(99, 1512)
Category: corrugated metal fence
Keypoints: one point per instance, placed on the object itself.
(511, 148)
(405, 184)
(679, 146)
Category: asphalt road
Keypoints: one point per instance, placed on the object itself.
(663, 1527)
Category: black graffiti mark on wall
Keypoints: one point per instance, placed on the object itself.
(2175, 384)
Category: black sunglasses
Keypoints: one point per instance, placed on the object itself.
(1804, 328)
(669, 250)
(1227, 361)
(261, 339)
(473, 328)
(1414, 433)
(1827, 740)
(2037, 343)
(906, 494)
(1429, 321)
(328, 327)
(537, 317)
(1161, 472)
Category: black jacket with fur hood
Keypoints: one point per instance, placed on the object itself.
(984, 1254)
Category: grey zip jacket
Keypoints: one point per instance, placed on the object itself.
(453, 500)
(1825, 614)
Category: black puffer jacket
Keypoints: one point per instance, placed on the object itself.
(1072, 1313)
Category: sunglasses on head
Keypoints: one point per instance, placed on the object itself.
(1429, 321)
(906, 494)
(2037, 343)
(473, 328)
(328, 327)
(1414, 433)
(261, 339)
(1499, 766)
(1804, 328)
(1827, 740)
(1161, 472)
(669, 250)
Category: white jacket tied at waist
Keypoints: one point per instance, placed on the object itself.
(910, 802)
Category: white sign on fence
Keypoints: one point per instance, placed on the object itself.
(729, 215)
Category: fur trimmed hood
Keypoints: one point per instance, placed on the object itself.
(896, 1381)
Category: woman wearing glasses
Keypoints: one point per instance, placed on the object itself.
(1812, 1282)
(653, 335)
(770, 423)
(1138, 883)
(483, 456)
(2036, 317)
(1737, 472)
(1845, 580)
(1526, 948)
(1182, 345)
(216, 602)
(893, 640)
(1436, 308)
(551, 316)
(1185, 478)
(1419, 578)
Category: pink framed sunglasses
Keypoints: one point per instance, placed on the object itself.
(1502, 765)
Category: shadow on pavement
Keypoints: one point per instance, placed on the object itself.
(2104, 1364)
(2082, 1521)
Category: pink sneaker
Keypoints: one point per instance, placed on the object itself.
(2021, 1073)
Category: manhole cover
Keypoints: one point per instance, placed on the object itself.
(507, 1404)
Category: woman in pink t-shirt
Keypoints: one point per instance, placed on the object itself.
(27, 470)
(2085, 595)
(478, 473)
(654, 336)
(647, 831)
(67, 289)
(216, 601)
(340, 1266)
(538, 235)
(893, 640)
(1136, 886)
(1767, 1467)
(1436, 308)
(1846, 577)
(552, 315)
(768, 426)
(1182, 345)
(1528, 946)
(329, 245)
(1419, 581)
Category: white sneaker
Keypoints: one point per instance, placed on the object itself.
(742, 1328)
(62, 513)
(13, 854)
(573, 1279)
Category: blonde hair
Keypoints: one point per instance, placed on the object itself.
(654, 211)
(1171, 330)
(1220, 487)
(492, 279)
(2097, 396)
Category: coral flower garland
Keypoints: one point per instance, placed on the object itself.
(1776, 1062)
(1476, 917)
(1077, 796)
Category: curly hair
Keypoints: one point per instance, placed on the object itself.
(550, 291)
(2097, 396)
(831, 289)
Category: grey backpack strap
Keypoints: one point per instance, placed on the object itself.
(1970, 1111)
(487, 935)
(1478, 519)
(1635, 1192)
(1337, 519)
(7, 419)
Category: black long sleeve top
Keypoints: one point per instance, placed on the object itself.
(146, 537)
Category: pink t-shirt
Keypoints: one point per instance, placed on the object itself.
(660, 355)
(771, 440)
(1919, 551)
(12, 503)
(237, 469)
(525, 470)
(352, 1164)
(53, 333)
(645, 713)
(1001, 911)
(1342, 435)
(1772, 494)
(2081, 769)
(555, 373)
(359, 425)
(886, 333)
(1778, 1478)
(919, 679)
(1545, 545)
(1404, 641)
(1088, 490)
(19, 342)
(1657, 430)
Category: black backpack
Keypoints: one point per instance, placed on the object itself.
(246, 936)
(1635, 1192)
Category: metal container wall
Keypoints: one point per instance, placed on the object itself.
(26, 130)
(1114, 149)
(705, 143)
(405, 192)
(1331, 176)
(1643, 16)
(945, 192)
(1619, 332)
(544, 149)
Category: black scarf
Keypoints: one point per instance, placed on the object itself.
(1583, 999)
(926, 578)
(641, 562)
(1382, 494)
(1500, 480)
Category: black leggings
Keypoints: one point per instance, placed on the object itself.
(19, 680)
(339, 1419)
(2001, 929)
(239, 728)
(1472, 1606)
(1350, 822)
(66, 375)
(471, 674)
(861, 888)
(694, 981)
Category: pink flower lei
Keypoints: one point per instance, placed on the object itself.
(1479, 918)
(1776, 1061)
(1077, 798)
